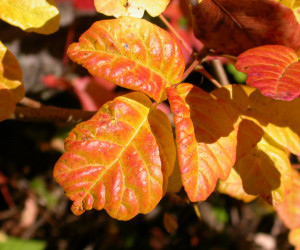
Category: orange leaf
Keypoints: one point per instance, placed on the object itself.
(231, 26)
(273, 69)
(289, 210)
(279, 119)
(133, 8)
(233, 187)
(266, 171)
(294, 238)
(11, 86)
(113, 161)
(205, 137)
(132, 53)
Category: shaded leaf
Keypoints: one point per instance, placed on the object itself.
(294, 238)
(8, 243)
(134, 8)
(113, 161)
(40, 16)
(266, 171)
(174, 181)
(231, 27)
(233, 187)
(279, 119)
(162, 130)
(132, 53)
(289, 210)
(170, 223)
(205, 137)
(235, 101)
(294, 5)
(273, 69)
(11, 86)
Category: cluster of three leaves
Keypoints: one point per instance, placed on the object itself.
(106, 168)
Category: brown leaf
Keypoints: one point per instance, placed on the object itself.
(233, 26)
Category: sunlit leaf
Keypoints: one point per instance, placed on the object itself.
(232, 27)
(11, 86)
(113, 161)
(132, 53)
(294, 238)
(205, 137)
(289, 210)
(294, 5)
(40, 16)
(134, 8)
(273, 69)
(266, 171)
(233, 187)
(279, 119)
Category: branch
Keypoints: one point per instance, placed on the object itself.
(176, 34)
(202, 70)
(51, 114)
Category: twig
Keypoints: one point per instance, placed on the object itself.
(28, 102)
(190, 69)
(51, 114)
(200, 69)
(197, 210)
(219, 72)
(179, 37)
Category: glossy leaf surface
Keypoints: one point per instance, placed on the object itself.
(266, 171)
(40, 16)
(132, 53)
(279, 119)
(273, 69)
(113, 161)
(289, 210)
(205, 137)
(11, 86)
(232, 27)
(134, 8)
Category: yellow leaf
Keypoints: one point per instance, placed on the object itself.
(294, 238)
(266, 171)
(40, 16)
(279, 119)
(11, 86)
(134, 8)
(233, 187)
(289, 210)
(294, 5)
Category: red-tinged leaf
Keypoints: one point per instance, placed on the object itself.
(273, 69)
(289, 210)
(205, 137)
(279, 119)
(113, 161)
(232, 27)
(84, 4)
(132, 53)
(233, 187)
(11, 86)
(294, 238)
(134, 8)
(266, 171)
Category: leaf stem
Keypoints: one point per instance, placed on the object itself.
(190, 69)
(176, 34)
(51, 114)
(202, 70)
